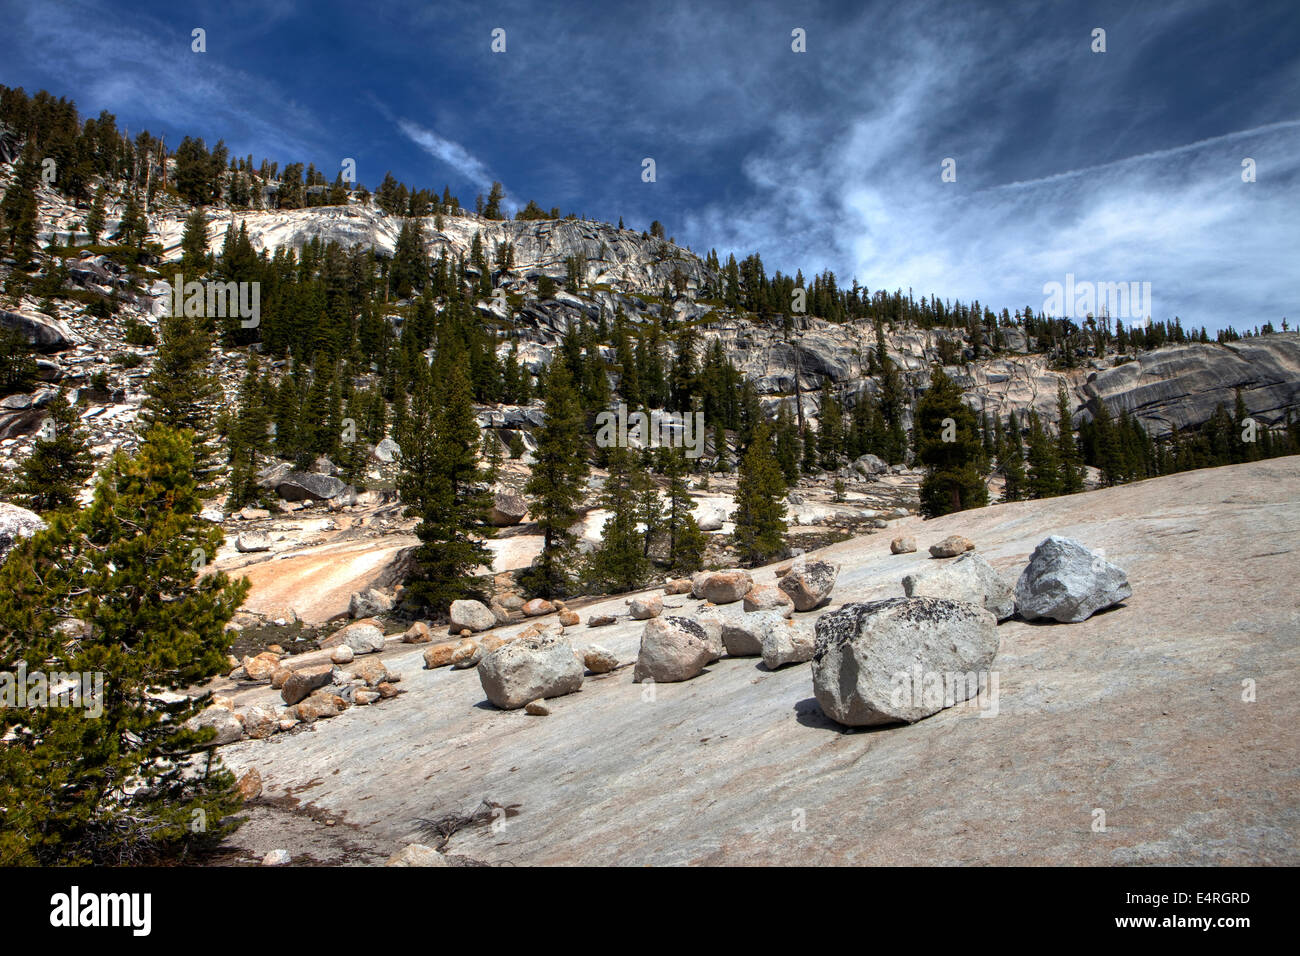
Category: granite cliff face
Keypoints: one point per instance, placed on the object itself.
(1174, 388)
(614, 256)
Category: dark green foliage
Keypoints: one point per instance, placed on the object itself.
(182, 393)
(760, 502)
(555, 487)
(52, 475)
(953, 481)
(442, 484)
(620, 563)
(129, 785)
(17, 366)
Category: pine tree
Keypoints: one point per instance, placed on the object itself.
(95, 220)
(181, 393)
(249, 437)
(1012, 462)
(453, 501)
(194, 243)
(787, 448)
(760, 502)
(619, 564)
(556, 484)
(1044, 468)
(130, 786)
(19, 207)
(830, 430)
(686, 542)
(1067, 451)
(953, 481)
(59, 464)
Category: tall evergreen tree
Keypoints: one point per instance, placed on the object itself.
(556, 484)
(182, 393)
(953, 481)
(452, 501)
(686, 542)
(130, 786)
(1067, 450)
(619, 564)
(18, 208)
(1012, 462)
(1044, 468)
(59, 464)
(760, 502)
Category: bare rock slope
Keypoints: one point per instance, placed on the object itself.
(1138, 712)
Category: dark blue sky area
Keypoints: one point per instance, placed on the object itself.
(1115, 166)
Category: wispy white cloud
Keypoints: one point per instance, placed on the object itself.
(860, 191)
(453, 154)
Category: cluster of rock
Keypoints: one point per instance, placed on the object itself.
(902, 659)
(678, 648)
(310, 692)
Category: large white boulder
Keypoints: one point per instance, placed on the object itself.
(471, 615)
(1064, 581)
(672, 649)
(530, 669)
(879, 662)
(970, 578)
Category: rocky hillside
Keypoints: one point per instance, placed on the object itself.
(1138, 711)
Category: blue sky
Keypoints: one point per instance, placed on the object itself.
(1116, 167)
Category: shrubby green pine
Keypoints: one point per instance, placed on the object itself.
(132, 785)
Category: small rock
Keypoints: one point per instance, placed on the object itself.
(725, 587)
(467, 654)
(529, 669)
(369, 603)
(569, 618)
(276, 858)
(787, 643)
(678, 586)
(743, 634)
(537, 607)
(417, 854)
(811, 584)
(472, 616)
(672, 649)
(342, 654)
(249, 786)
(645, 607)
(261, 721)
(300, 683)
(601, 620)
(901, 659)
(319, 706)
(262, 666)
(442, 655)
(903, 544)
(537, 708)
(1065, 581)
(765, 597)
(220, 719)
(598, 660)
(951, 546)
(970, 578)
(418, 633)
(248, 542)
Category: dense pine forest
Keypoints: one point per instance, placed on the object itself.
(328, 371)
